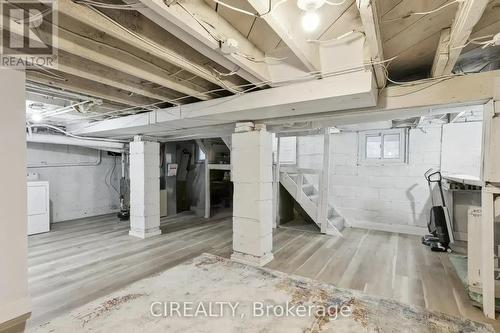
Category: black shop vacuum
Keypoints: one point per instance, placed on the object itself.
(440, 233)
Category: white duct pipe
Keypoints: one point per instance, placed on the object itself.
(117, 147)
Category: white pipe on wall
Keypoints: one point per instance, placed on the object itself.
(117, 147)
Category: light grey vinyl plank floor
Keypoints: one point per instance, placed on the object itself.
(81, 260)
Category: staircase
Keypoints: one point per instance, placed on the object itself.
(307, 196)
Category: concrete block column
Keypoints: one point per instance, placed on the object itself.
(144, 188)
(251, 161)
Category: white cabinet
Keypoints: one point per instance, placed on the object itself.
(38, 207)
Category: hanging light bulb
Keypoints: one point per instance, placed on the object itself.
(36, 118)
(310, 18)
(310, 21)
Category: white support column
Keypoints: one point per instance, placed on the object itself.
(487, 271)
(207, 189)
(15, 303)
(144, 188)
(276, 190)
(251, 160)
(324, 185)
(491, 189)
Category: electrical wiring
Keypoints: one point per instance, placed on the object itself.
(111, 176)
(271, 8)
(262, 60)
(335, 3)
(234, 72)
(46, 73)
(133, 6)
(475, 41)
(160, 48)
(246, 12)
(264, 83)
(131, 55)
(422, 84)
(30, 126)
(253, 86)
(336, 39)
(410, 14)
(202, 23)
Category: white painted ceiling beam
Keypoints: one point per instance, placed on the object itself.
(82, 86)
(468, 14)
(197, 24)
(80, 67)
(397, 102)
(117, 59)
(442, 53)
(105, 24)
(394, 102)
(95, 72)
(285, 21)
(348, 91)
(369, 16)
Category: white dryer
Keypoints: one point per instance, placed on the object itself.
(38, 207)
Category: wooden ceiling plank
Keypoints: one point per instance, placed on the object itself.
(468, 15)
(397, 20)
(441, 57)
(90, 88)
(283, 20)
(80, 67)
(182, 20)
(370, 18)
(118, 60)
(103, 23)
(348, 20)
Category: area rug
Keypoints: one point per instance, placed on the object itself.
(213, 294)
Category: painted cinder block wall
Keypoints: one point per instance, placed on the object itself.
(386, 197)
(84, 187)
(391, 194)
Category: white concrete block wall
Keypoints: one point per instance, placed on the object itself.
(383, 194)
(467, 159)
(386, 194)
(81, 189)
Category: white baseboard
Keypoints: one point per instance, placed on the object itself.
(395, 228)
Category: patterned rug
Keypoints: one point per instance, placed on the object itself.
(213, 294)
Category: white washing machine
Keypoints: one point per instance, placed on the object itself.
(38, 207)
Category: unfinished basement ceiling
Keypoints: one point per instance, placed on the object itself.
(414, 39)
(130, 56)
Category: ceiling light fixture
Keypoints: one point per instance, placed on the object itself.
(36, 118)
(310, 19)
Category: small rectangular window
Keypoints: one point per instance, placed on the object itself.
(392, 146)
(384, 146)
(373, 146)
(201, 155)
(288, 150)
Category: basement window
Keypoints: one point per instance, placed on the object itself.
(383, 146)
(288, 150)
(201, 155)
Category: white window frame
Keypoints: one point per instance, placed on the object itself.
(291, 150)
(199, 152)
(403, 147)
